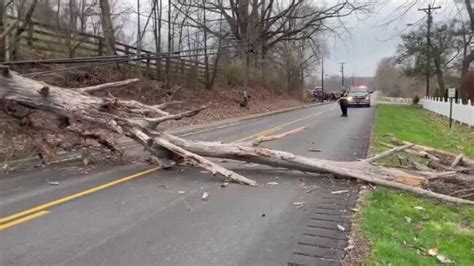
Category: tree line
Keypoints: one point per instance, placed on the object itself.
(271, 42)
(447, 59)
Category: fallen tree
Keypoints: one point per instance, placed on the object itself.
(139, 122)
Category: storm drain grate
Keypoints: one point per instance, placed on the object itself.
(322, 242)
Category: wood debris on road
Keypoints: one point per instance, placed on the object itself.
(139, 122)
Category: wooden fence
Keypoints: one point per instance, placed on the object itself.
(54, 42)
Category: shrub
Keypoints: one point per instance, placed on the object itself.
(416, 100)
(234, 74)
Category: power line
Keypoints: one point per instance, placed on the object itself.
(428, 11)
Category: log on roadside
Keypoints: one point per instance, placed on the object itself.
(114, 115)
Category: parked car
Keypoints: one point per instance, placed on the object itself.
(318, 94)
(359, 96)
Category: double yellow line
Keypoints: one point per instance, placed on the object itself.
(274, 129)
(26, 215)
(40, 210)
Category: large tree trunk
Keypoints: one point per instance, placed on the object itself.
(470, 12)
(207, 83)
(466, 86)
(107, 27)
(22, 27)
(3, 42)
(139, 121)
(439, 75)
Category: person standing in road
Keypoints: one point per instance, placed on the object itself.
(344, 103)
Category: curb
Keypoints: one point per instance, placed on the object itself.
(183, 131)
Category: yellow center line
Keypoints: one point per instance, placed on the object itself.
(258, 134)
(22, 220)
(26, 215)
(273, 129)
(74, 196)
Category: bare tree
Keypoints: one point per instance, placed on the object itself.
(157, 8)
(3, 44)
(468, 57)
(206, 57)
(170, 48)
(22, 27)
(391, 81)
(265, 23)
(107, 27)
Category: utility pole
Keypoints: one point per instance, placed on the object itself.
(322, 77)
(428, 11)
(342, 73)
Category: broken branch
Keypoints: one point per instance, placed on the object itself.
(204, 163)
(153, 122)
(457, 160)
(167, 104)
(388, 153)
(438, 153)
(107, 85)
(359, 170)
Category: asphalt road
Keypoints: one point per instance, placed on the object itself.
(109, 216)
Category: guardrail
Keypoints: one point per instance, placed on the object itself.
(463, 113)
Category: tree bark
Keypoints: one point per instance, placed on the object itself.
(358, 170)
(107, 27)
(2, 29)
(157, 34)
(128, 118)
(170, 48)
(207, 82)
(23, 26)
(439, 75)
(466, 88)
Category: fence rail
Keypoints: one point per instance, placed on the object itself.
(463, 113)
(54, 42)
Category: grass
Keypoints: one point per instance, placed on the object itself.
(400, 234)
(413, 124)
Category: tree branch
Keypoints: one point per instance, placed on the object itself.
(107, 85)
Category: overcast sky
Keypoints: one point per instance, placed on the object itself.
(369, 40)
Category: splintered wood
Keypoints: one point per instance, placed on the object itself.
(139, 122)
